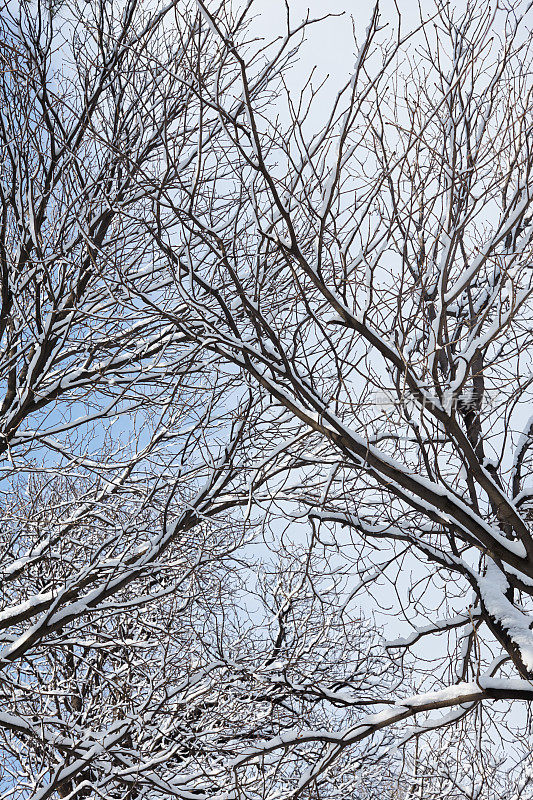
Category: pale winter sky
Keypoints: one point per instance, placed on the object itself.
(330, 45)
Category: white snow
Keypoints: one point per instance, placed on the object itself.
(493, 586)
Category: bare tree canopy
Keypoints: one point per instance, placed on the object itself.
(266, 434)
